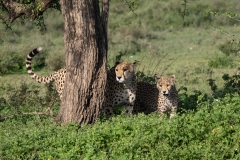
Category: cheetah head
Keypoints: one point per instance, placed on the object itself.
(125, 71)
(165, 84)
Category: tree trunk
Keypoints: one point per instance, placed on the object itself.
(86, 53)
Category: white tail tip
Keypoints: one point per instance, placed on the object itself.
(39, 48)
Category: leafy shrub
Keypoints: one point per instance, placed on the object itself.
(142, 77)
(189, 101)
(221, 62)
(39, 61)
(56, 60)
(211, 132)
(22, 99)
(197, 16)
(11, 62)
(231, 86)
(230, 47)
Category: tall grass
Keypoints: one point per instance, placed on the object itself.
(207, 124)
(156, 29)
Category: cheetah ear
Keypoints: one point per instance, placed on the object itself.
(157, 77)
(173, 78)
(135, 64)
(117, 62)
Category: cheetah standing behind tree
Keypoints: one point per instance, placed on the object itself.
(120, 89)
(162, 97)
(121, 82)
(58, 77)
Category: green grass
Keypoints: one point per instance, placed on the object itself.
(188, 49)
(209, 133)
(207, 124)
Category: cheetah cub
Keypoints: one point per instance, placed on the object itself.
(168, 95)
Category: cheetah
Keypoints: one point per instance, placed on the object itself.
(121, 88)
(161, 97)
(58, 76)
(146, 98)
(168, 95)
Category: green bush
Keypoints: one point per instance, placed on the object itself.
(222, 62)
(231, 86)
(18, 100)
(189, 101)
(142, 77)
(55, 60)
(196, 15)
(211, 132)
(230, 47)
(39, 61)
(205, 128)
(11, 62)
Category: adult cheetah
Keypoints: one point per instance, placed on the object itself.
(58, 76)
(120, 88)
(146, 98)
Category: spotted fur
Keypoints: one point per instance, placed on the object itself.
(146, 98)
(58, 77)
(121, 88)
(161, 97)
(168, 95)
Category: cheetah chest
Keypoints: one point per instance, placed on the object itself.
(165, 101)
(126, 96)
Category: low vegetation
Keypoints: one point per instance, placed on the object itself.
(210, 130)
(201, 49)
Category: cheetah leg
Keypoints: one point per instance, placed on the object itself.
(129, 110)
(162, 109)
(108, 112)
(172, 114)
(173, 111)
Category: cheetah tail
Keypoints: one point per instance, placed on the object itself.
(39, 79)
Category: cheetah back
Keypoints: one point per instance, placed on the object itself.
(146, 98)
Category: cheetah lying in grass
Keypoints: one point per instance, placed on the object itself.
(162, 97)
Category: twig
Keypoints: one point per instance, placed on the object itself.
(27, 113)
(185, 8)
(159, 62)
(169, 65)
(129, 6)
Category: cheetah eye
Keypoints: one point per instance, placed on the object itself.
(160, 85)
(125, 69)
(116, 70)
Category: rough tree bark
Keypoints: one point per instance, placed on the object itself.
(85, 37)
(85, 60)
